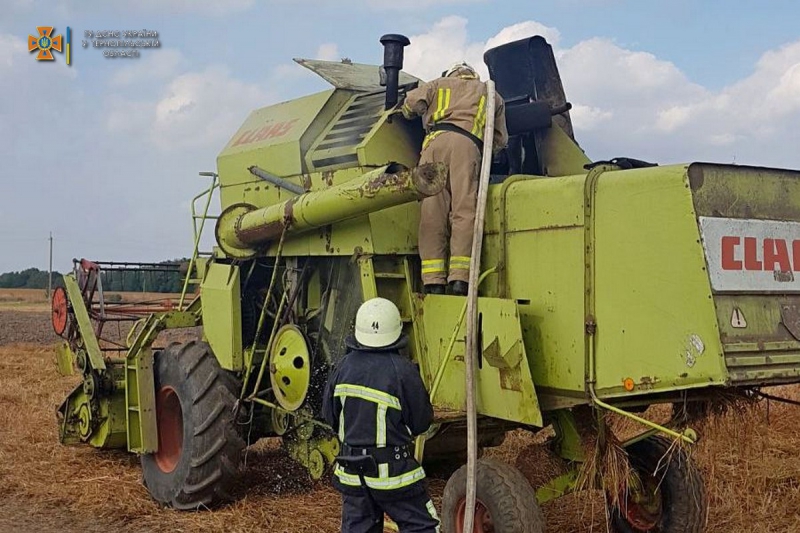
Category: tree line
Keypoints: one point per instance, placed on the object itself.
(113, 281)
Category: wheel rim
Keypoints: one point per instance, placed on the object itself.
(641, 504)
(170, 429)
(60, 310)
(482, 522)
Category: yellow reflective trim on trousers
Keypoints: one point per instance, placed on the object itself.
(431, 136)
(389, 483)
(431, 266)
(459, 262)
(432, 511)
(480, 118)
(366, 393)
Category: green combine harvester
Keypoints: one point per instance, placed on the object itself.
(605, 287)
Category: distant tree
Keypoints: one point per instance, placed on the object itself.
(31, 278)
(113, 281)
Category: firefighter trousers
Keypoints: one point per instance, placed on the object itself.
(361, 514)
(449, 217)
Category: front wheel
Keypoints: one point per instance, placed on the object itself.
(667, 497)
(505, 501)
(198, 445)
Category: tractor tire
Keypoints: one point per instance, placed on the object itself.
(199, 446)
(672, 498)
(504, 503)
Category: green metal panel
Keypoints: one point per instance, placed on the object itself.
(222, 318)
(397, 141)
(270, 138)
(84, 323)
(503, 380)
(758, 326)
(561, 156)
(394, 230)
(349, 75)
(535, 230)
(64, 359)
(105, 416)
(655, 316)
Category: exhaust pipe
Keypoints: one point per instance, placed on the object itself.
(393, 45)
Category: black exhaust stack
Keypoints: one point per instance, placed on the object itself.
(393, 45)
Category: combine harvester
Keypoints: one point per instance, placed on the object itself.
(604, 288)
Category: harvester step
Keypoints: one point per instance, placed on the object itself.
(390, 275)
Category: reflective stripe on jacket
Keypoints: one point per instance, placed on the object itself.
(460, 102)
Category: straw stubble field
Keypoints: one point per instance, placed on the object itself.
(750, 461)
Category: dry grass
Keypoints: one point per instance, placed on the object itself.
(35, 300)
(750, 460)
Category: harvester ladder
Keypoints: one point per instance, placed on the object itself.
(198, 224)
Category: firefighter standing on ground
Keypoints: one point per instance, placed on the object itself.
(377, 401)
(453, 110)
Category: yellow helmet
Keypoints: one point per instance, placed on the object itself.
(462, 70)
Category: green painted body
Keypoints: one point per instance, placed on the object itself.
(600, 287)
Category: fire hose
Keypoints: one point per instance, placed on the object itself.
(472, 308)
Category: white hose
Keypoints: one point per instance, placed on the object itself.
(472, 308)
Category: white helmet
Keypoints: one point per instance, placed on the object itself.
(462, 70)
(378, 323)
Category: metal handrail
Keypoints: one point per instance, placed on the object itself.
(209, 193)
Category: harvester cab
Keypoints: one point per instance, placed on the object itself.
(604, 288)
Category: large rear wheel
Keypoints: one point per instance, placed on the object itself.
(505, 501)
(198, 445)
(668, 497)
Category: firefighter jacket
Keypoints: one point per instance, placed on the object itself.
(459, 102)
(376, 399)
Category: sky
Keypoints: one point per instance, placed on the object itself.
(105, 153)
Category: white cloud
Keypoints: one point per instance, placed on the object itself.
(203, 109)
(589, 118)
(12, 48)
(447, 42)
(328, 52)
(153, 67)
(522, 30)
(631, 102)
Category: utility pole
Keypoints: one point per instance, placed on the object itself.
(50, 272)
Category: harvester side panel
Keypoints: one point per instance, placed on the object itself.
(656, 322)
(750, 222)
(222, 317)
(504, 385)
(535, 229)
(275, 138)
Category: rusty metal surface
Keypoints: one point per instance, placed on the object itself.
(790, 318)
(241, 229)
(735, 191)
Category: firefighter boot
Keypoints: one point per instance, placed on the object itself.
(434, 289)
(459, 288)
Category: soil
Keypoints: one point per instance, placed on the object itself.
(750, 461)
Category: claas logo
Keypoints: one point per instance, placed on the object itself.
(45, 43)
